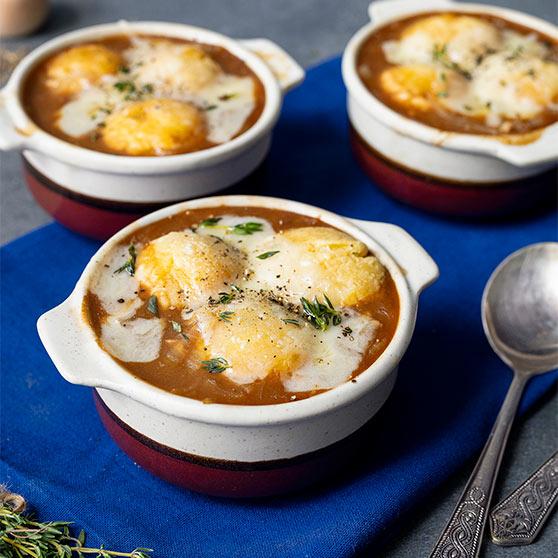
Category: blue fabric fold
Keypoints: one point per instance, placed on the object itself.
(55, 451)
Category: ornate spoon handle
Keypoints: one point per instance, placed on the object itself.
(519, 517)
(463, 534)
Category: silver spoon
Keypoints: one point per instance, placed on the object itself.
(520, 318)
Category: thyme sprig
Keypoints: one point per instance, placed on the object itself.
(177, 328)
(440, 54)
(321, 315)
(21, 536)
(266, 255)
(210, 222)
(129, 265)
(246, 228)
(224, 298)
(131, 91)
(153, 305)
(215, 365)
(226, 316)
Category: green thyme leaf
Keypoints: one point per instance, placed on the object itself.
(176, 327)
(210, 222)
(215, 365)
(226, 316)
(153, 305)
(247, 228)
(210, 107)
(516, 53)
(81, 537)
(227, 96)
(291, 321)
(125, 86)
(226, 298)
(320, 315)
(23, 536)
(440, 54)
(130, 264)
(266, 255)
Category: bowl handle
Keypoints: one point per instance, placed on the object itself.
(389, 9)
(413, 260)
(72, 348)
(286, 70)
(9, 136)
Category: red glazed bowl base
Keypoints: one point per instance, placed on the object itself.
(222, 478)
(456, 199)
(96, 217)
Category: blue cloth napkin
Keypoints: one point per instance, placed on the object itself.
(56, 453)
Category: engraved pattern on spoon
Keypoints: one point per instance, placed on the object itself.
(519, 517)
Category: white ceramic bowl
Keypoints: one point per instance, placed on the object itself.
(427, 154)
(259, 449)
(135, 185)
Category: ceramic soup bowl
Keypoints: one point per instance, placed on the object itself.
(97, 193)
(436, 170)
(238, 450)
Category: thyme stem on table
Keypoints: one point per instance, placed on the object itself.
(21, 537)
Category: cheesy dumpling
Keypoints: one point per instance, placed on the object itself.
(446, 38)
(184, 269)
(154, 127)
(172, 65)
(253, 338)
(516, 86)
(411, 85)
(312, 261)
(78, 67)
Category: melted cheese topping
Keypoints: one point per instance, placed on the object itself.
(184, 269)
(311, 261)
(107, 96)
(471, 67)
(223, 281)
(116, 290)
(137, 340)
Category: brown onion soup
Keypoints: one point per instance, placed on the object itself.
(242, 305)
(143, 95)
(466, 73)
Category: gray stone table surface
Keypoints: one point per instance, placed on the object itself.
(310, 30)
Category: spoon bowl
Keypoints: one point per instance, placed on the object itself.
(520, 308)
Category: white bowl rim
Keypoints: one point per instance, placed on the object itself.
(248, 415)
(542, 150)
(43, 142)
